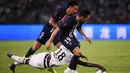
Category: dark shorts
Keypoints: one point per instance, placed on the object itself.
(45, 36)
(71, 45)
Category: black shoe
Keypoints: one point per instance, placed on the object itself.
(12, 67)
(9, 54)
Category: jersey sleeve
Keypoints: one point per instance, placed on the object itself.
(56, 15)
(79, 26)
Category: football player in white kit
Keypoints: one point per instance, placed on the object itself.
(45, 60)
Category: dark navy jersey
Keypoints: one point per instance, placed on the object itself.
(66, 36)
(68, 26)
(59, 14)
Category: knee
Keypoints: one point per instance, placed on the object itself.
(77, 52)
(36, 46)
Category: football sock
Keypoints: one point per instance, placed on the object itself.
(73, 63)
(18, 59)
(16, 63)
(30, 52)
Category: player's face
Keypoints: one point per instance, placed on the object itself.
(84, 19)
(73, 9)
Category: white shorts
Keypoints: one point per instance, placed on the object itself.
(38, 60)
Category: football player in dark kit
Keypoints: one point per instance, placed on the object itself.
(45, 34)
(67, 38)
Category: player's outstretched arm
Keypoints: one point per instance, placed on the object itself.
(53, 35)
(83, 34)
(87, 64)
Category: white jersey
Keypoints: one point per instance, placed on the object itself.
(61, 56)
(44, 60)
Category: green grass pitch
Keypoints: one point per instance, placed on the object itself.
(113, 55)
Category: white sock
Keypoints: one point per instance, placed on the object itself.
(18, 59)
(16, 63)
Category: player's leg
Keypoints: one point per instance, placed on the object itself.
(41, 40)
(40, 60)
(33, 49)
(12, 66)
(37, 61)
(87, 64)
(19, 60)
(73, 64)
(75, 48)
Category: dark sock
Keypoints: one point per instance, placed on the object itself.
(73, 63)
(30, 52)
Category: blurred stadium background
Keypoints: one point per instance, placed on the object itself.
(39, 11)
(22, 20)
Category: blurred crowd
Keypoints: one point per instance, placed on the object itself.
(39, 11)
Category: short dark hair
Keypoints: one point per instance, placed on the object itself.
(72, 3)
(84, 13)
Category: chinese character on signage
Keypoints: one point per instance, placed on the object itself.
(105, 33)
(121, 32)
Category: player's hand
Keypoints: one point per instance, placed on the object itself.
(82, 56)
(89, 40)
(86, 58)
(48, 46)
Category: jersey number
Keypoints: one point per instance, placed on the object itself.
(60, 56)
(42, 34)
(67, 40)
